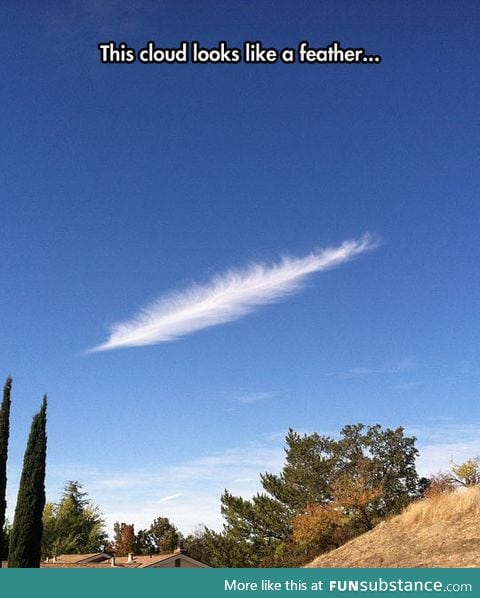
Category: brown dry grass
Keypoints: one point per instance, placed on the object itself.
(442, 531)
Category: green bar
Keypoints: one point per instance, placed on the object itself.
(213, 583)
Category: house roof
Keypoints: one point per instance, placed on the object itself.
(140, 560)
(143, 562)
(59, 565)
(103, 559)
(65, 561)
(167, 557)
(93, 557)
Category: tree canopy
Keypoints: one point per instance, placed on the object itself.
(164, 534)
(467, 473)
(328, 491)
(73, 525)
(124, 539)
(161, 537)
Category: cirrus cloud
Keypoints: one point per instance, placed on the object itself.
(226, 297)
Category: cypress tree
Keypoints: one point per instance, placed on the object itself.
(26, 535)
(4, 434)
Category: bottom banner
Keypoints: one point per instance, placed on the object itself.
(223, 583)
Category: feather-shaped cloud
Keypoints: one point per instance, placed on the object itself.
(226, 297)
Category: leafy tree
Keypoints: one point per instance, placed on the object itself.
(216, 550)
(161, 537)
(73, 525)
(439, 483)
(26, 534)
(353, 510)
(359, 497)
(196, 544)
(144, 542)
(365, 475)
(321, 526)
(4, 434)
(466, 474)
(164, 534)
(124, 538)
(423, 486)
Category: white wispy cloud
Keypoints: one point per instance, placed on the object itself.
(255, 397)
(227, 297)
(405, 365)
(170, 497)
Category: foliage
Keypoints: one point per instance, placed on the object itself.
(465, 475)
(423, 486)
(359, 496)
(4, 434)
(124, 539)
(439, 483)
(217, 550)
(26, 534)
(352, 510)
(198, 545)
(73, 525)
(144, 542)
(341, 487)
(164, 535)
(7, 528)
(321, 525)
(161, 537)
(468, 473)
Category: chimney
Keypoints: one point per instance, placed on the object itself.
(112, 561)
(54, 559)
(130, 558)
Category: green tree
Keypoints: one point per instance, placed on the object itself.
(466, 474)
(165, 535)
(196, 545)
(217, 549)
(368, 473)
(26, 534)
(4, 434)
(73, 525)
(6, 540)
(144, 542)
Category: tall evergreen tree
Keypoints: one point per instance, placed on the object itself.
(26, 535)
(4, 434)
(73, 525)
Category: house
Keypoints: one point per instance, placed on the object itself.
(160, 561)
(93, 559)
(103, 560)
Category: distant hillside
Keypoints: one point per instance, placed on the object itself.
(443, 531)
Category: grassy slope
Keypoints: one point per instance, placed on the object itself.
(443, 531)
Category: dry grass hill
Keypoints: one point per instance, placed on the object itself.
(442, 531)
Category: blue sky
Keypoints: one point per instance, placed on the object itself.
(123, 184)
